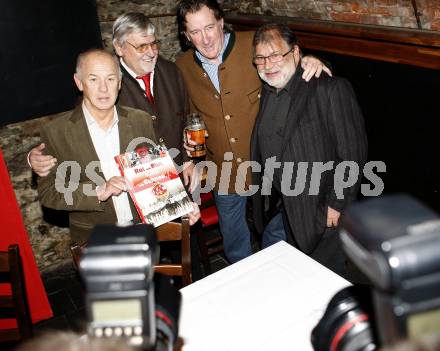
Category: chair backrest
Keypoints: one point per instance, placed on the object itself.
(170, 231)
(173, 231)
(208, 218)
(76, 252)
(15, 305)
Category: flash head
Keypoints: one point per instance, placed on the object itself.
(395, 241)
(117, 267)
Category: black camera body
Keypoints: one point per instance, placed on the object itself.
(117, 267)
(395, 241)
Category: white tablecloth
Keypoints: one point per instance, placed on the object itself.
(268, 301)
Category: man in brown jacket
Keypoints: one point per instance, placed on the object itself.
(224, 88)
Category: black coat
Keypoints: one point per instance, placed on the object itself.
(171, 104)
(324, 124)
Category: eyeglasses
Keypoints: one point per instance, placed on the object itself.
(273, 58)
(144, 47)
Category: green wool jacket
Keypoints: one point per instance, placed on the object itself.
(229, 115)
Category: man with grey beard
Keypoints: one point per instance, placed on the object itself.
(314, 123)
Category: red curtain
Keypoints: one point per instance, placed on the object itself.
(14, 232)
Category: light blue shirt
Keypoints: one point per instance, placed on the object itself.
(211, 68)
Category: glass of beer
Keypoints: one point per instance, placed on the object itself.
(195, 130)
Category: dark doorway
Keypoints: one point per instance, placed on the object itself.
(41, 40)
(401, 106)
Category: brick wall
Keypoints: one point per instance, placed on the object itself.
(397, 13)
(430, 14)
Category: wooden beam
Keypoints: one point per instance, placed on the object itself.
(399, 45)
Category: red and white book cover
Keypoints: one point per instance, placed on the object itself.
(154, 184)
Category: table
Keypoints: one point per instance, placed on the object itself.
(268, 301)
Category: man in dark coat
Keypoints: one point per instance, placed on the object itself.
(136, 45)
(303, 133)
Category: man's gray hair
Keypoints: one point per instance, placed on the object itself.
(132, 22)
(272, 31)
(82, 56)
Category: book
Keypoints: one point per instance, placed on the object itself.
(154, 184)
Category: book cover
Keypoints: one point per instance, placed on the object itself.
(154, 184)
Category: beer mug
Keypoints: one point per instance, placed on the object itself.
(196, 131)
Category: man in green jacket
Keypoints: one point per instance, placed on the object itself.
(87, 182)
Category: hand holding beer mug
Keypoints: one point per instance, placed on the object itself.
(194, 136)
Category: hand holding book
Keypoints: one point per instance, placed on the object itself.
(113, 187)
(154, 186)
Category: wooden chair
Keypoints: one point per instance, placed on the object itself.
(171, 231)
(14, 306)
(208, 219)
(76, 252)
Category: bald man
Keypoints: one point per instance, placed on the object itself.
(90, 136)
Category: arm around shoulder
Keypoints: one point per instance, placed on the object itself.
(62, 188)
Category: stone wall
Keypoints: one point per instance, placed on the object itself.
(160, 12)
(50, 242)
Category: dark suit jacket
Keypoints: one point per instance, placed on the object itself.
(171, 103)
(68, 139)
(324, 123)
